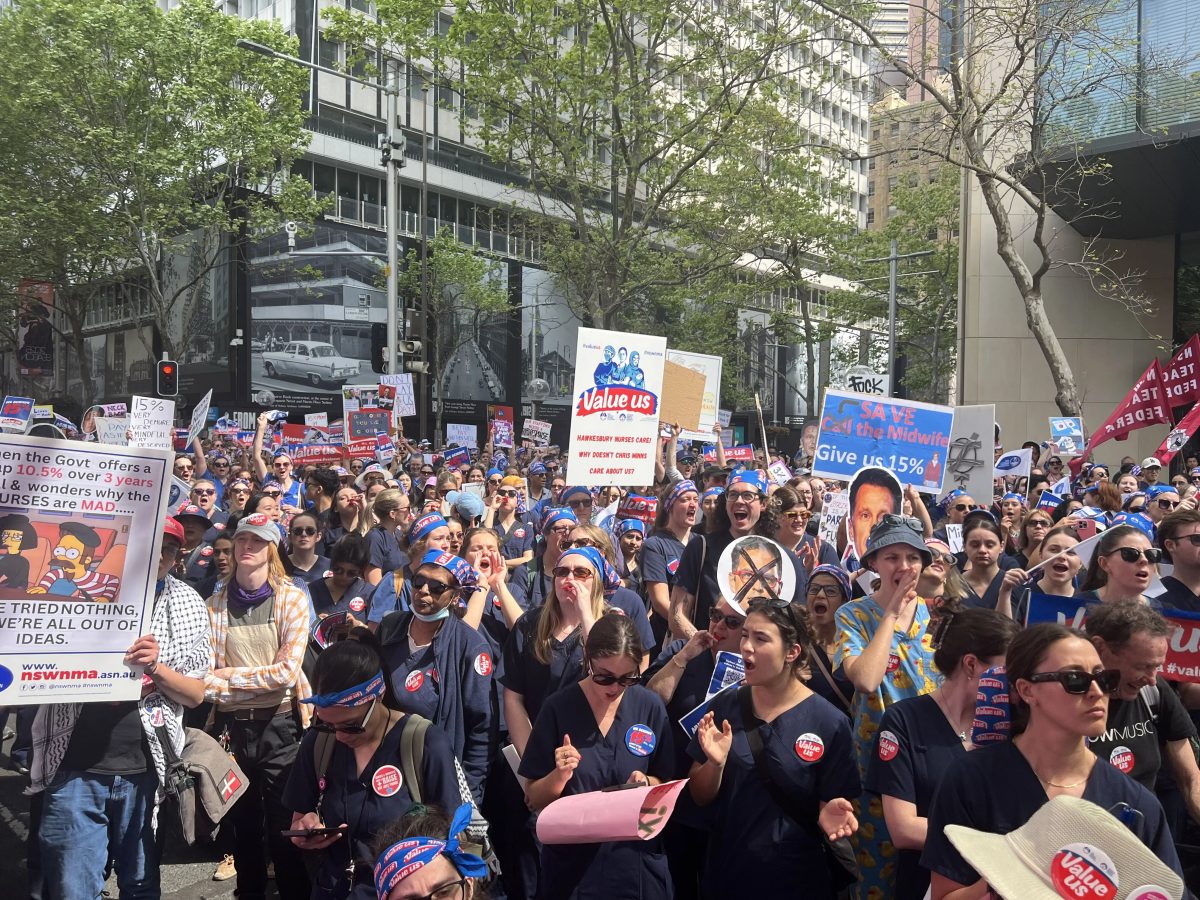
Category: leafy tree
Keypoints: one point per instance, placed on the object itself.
(463, 292)
(137, 140)
(627, 125)
(1024, 85)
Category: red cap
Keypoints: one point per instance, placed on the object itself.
(172, 529)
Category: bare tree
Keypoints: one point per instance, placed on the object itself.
(1024, 85)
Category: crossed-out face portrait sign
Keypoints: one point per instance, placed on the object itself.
(755, 568)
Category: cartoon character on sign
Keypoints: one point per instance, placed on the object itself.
(69, 575)
(16, 535)
(637, 377)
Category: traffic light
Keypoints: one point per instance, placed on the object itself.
(168, 378)
(378, 348)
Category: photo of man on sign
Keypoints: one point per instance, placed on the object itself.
(69, 571)
(874, 493)
(752, 568)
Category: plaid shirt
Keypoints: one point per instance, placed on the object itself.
(245, 682)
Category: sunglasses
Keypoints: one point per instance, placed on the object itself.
(1138, 509)
(1075, 681)
(1167, 504)
(507, 492)
(204, 492)
(965, 507)
(579, 573)
(1193, 539)
(435, 588)
(1054, 464)
(604, 679)
(345, 729)
(220, 465)
(305, 531)
(275, 494)
(493, 481)
(183, 468)
(1133, 554)
(579, 503)
(797, 515)
(281, 465)
(346, 571)
(578, 542)
(733, 623)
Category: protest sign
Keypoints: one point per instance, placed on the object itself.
(537, 431)
(385, 450)
(724, 417)
(682, 398)
(834, 508)
(632, 814)
(179, 439)
(909, 438)
(752, 567)
(79, 589)
(502, 434)
(364, 423)
(729, 670)
(691, 719)
(779, 472)
(43, 412)
(1014, 463)
(405, 402)
(387, 396)
(316, 455)
(317, 420)
(614, 419)
(874, 493)
(1066, 435)
(115, 409)
(199, 417)
(363, 448)
(1048, 501)
(968, 464)
(459, 456)
(111, 430)
(151, 423)
(178, 492)
(710, 367)
(16, 412)
(740, 453)
(463, 435)
(954, 537)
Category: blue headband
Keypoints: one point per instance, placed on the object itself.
(752, 477)
(624, 525)
(681, 488)
(611, 577)
(556, 514)
(1140, 521)
(405, 857)
(458, 567)
(424, 525)
(537, 468)
(569, 492)
(712, 492)
(359, 695)
(945, 502)
(491, 472)
(1012, 496)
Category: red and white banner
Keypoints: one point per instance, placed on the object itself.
(1144, 405)
(318, 454)
(1180, 378)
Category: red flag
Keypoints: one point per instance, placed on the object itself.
(1180, 378)
(1179, 436)
(1144, 405)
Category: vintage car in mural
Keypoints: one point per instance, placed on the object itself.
(315, 362)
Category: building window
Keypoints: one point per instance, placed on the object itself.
(871, 188)
(870, 217)
(328, 54)
(893, 182)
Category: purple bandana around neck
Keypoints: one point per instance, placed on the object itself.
(243, 597)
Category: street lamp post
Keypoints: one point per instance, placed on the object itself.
(394, 158)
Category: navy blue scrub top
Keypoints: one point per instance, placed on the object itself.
(369, 801)
(771, 848)
(385, 551)
(690, 692)
(319, 570)
(994, 789)
(356, 599)
(639, 740)
(914, 748)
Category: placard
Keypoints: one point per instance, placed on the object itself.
(405, 403)
(629, 814)
(1066, 435)
(724, 417)
(683, 399)
(317, 420)
(16, 412)
(463, 435)
(616, 407)
(537, 431)
(710, 367)
(969, 457)
(502, 433)
(904, 436)
(364, 423)
(199, 417)
(834, 509)
(79, 590)
(112, 429)
(152, 423)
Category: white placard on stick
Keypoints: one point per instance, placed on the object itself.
(152, 423)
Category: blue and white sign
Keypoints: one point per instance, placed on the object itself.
(729, 669)
(910, 439)
(1069, 611)
(1066, 435)
(689, 722)
(1015, 463)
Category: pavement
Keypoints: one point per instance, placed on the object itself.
(186, 871)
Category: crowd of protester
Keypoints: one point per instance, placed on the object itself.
(367, 640)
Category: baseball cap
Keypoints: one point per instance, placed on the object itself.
(172, 529)
(1067, 839)
(191, 510)
(1151, 462)
(259, 525)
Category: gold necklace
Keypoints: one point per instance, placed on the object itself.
(1065, 787)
